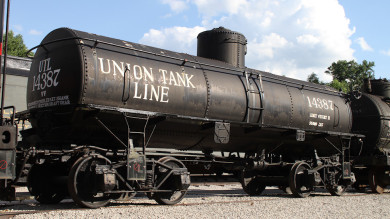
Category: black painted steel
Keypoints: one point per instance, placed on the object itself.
(371, 117)
(224, 45)
(77, 76)
(379, 87)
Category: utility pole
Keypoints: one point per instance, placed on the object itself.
(2, 9)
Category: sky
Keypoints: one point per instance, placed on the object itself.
(293, 38)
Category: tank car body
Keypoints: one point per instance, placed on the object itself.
(371, 117)
(97, 104)
(76, 74)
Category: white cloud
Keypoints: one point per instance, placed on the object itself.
(176, 5)
(35, 32)
(386, 52)
(308, 39)
(292, 38)
(363, 44)
(267, 47)
(179, 39)
(210, 8)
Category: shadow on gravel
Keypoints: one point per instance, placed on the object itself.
(268, 192)
(141, 200)
(32, 205)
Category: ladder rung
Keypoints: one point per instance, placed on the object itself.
(253, 108)
(135, 117)
(137, 133)
(253, 91)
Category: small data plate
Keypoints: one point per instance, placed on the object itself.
(222, 132)
(300, 135)
(7, 164)
(136, 166)
(346, 170)
(8, 139)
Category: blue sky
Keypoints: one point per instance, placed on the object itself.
(287, 37)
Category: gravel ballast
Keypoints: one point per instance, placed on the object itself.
(227, 201)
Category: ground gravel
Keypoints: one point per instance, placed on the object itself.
(227, 201)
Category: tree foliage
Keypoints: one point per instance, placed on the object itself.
(339, 85)
(350, 74)
(16, 46)
(346, 74)
(313, 78)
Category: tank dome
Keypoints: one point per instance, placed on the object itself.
(224, 45)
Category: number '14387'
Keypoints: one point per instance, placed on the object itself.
(319, 103)
(46, 80)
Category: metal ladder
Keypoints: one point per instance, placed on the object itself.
(143, 132)
(136, 162)
(250, 92)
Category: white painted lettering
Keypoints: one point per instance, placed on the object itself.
(180, 79)
(164, 94)
(154, 93)
(146, 92)
(121, 68)
(189, 81)
(172, 78)
(44, 65)
(136, 76)
(164, 72)
(144, 86)
(136, 91)
(102, 66)
(46, 78)
(148, 74)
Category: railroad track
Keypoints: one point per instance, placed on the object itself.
(270, 195)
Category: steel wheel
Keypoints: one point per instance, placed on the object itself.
(172, 182)
(82, 186)
(340, 188)
(43, 182)
(251, 184)
(337, 190)
(375, 180)
(297, 181)
(285, 189)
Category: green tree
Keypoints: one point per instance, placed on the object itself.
(16, 46)
(349, 74)
(339, 85)
(313, 78)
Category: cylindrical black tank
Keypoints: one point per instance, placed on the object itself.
(378, 87)
(75, 73)
(371, 116)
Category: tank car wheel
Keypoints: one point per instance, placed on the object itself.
(375, 178)
(254, 187)
(285, 189)
(82, 185)
(42, 183)
(251, 184)
(296, 180)
(171, 183)
(337, 190)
